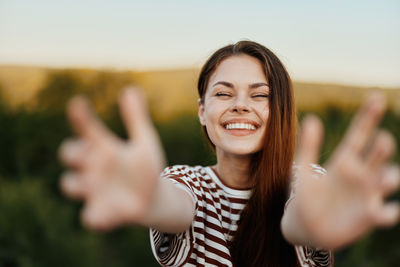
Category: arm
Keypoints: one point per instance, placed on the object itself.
(119, 181)
(172, 210)
(349, 201)
(292, 226)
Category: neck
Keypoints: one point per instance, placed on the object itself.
(233, 170)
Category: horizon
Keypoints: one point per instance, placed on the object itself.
(183, 68)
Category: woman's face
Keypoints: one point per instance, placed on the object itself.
(236, 106)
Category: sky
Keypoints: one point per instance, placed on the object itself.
(349, 42)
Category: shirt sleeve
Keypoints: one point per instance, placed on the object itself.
(314, 257)
(308, 256)
(175, 249)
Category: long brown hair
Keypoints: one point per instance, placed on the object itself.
(258, 240)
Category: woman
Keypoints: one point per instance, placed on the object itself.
(236, 212)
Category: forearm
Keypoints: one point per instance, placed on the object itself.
(293, 228)
(171, 209)
(298, 230)
(306, 209)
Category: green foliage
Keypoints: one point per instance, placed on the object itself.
(60, 87)
(36, 230)
(40, 227)
(184, 142)
(6, 140)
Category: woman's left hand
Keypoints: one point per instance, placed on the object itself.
(349, 201)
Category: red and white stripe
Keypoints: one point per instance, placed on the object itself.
(218, 208)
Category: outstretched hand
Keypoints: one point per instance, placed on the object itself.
(349, 201)
(117, 179)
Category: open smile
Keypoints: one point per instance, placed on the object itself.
(240, 127)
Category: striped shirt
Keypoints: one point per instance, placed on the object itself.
(218, 208)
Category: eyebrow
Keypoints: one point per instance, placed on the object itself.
(230, 85)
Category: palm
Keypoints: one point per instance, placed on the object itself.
(116, 178)
(349, 201)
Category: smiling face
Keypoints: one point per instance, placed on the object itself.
(236, 106)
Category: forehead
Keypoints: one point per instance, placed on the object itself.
(239, 69)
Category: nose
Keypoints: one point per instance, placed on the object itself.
(240, 105)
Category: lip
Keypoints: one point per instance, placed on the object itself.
(239, 132)
(241, 120)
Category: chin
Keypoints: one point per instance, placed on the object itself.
(242, 150)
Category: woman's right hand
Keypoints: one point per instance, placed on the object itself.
(116, 179)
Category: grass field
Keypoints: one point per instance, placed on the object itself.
(172, 92)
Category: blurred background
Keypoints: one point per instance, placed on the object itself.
(335, 51)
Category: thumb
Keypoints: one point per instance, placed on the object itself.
(134, 112)
(310, 141)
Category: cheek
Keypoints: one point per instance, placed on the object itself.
(211, 122)
(212, 119)
(213, 113)
(211, 133)
(266, 115)
(263, 111)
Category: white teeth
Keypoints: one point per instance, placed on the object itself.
(246, 126)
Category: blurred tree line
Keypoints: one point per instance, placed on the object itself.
(40, 227)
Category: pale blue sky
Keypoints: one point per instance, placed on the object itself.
(350, 42)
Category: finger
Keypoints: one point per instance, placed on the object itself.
(72, 152)
(134, 113)
(388, 215)
(94, 217)
(383, 148)
(73, 186)
(365, 122)
(85, 122)
(310, 141)
(390, 181)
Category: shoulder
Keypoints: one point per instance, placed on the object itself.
(317, 170)
(314, 257)
(184, 170)
(193, 179)
(191, 174)
(196, 173)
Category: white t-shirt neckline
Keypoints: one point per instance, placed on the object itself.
(245, 193)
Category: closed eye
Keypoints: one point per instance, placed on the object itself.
(222, 94)
(261, 95)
